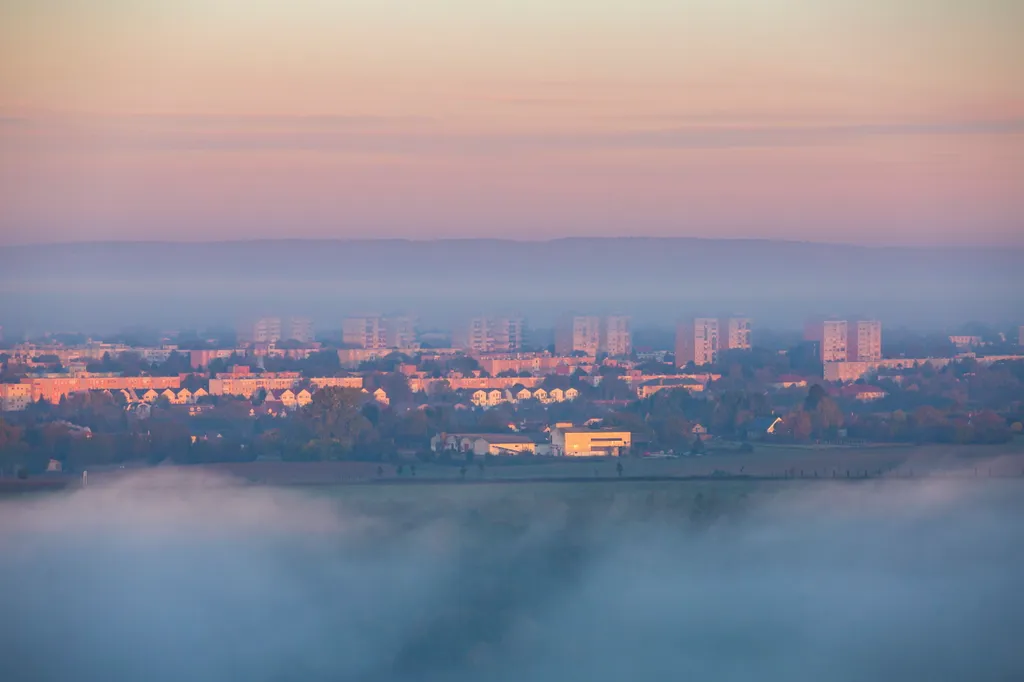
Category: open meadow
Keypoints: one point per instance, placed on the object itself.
(769, 462)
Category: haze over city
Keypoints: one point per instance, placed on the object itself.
(526, 340)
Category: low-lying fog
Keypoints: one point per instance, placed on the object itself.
(174, 577)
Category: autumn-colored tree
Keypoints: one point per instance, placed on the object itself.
(335, 419)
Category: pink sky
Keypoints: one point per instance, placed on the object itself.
(900, 122)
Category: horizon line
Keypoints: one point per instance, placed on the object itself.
(505, 240)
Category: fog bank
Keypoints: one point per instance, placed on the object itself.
(171, 576)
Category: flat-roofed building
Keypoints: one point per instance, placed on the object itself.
(578, 334)
(697, 342)
(365, 332)
(491, 335)
(832, 337)
(616, 338)
(299, 329)
(735, 333)
(15, 397)
(864, 343)
(54, 387)
(267, 330)
(400, 332)
(584, 442)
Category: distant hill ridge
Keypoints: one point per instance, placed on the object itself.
(326, 278)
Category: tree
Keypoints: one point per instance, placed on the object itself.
(463, 364)
(614, 388)
(797, 426)
(13, 449)
(814, 396)
(698, 446)
(396, 385)
(440, 391)
(826, 418)
(335, 420)
(169, 440)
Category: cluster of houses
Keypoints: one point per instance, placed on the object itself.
(274, 403)
(490, 397)
(181, 396)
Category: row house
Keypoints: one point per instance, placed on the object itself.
(180, 397)
(491, 397)
(291, 400)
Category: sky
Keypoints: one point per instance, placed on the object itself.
(898, 122)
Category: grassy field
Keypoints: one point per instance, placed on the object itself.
(776, 462)
(719, 466)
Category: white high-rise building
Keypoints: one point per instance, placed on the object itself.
(865, 341)
(735, 333)
(833, 337)
(491, 335)
(697, 342)
(616, 339)
(400, 332)
(578, 334)
(267, 330)
(364, 332)
(299, 329)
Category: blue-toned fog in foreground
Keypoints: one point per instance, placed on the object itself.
(178, 576)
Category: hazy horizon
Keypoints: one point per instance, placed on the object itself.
(777, 283)
(965, 248)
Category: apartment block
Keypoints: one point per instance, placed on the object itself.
(267, 330)
(15, 397)
(491, 335)
(400, 332)
(735, 333)
(697, 342)
(832, 337)
(203, 358)
(864, 342)
(54, 387)
(578, 334)
(539, 364)
(364, 332)
(299, 329)
(616, 339)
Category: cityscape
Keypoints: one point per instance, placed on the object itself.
(511, 341)
(520, 389)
